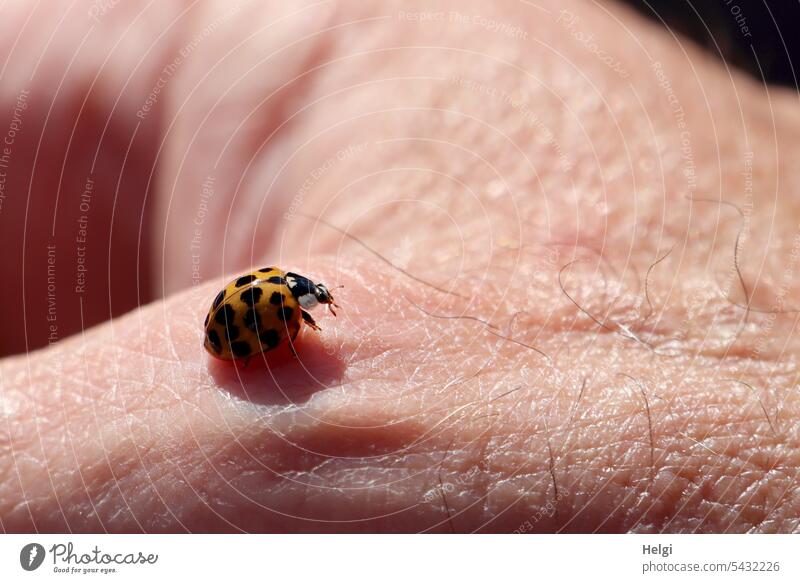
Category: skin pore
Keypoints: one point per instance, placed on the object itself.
(557, 217)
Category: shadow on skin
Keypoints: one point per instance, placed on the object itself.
(278, 377)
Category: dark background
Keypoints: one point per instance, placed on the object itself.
(772, 53)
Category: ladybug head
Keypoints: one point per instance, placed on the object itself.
(323, 296)
(308, 293)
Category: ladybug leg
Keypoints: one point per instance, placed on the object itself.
(310, 320)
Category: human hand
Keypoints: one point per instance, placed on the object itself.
(590, 365)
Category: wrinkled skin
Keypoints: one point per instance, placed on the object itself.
(526, 414)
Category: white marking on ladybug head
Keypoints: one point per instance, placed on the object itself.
(308, 301)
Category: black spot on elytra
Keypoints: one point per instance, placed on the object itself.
(231, 332)
(252, 320)
(276, 298)
(213, 340)
(245, 279)
(269, 338)
(266, 269)
(252, 295)
(218, 300)
(285, 314)
(240, 349)
(277, 280)
(225, 315)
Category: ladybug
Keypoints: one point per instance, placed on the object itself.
(256, 312)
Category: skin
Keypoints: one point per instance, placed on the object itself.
(651, 401)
